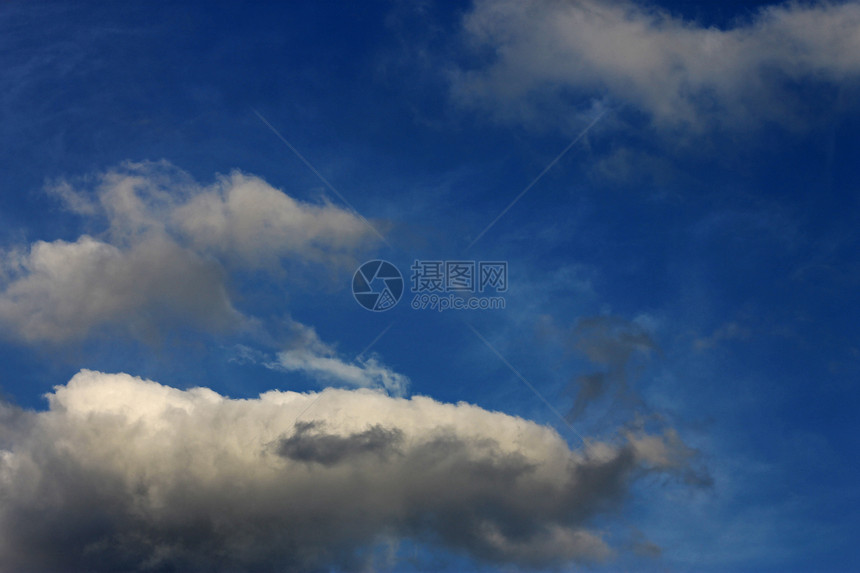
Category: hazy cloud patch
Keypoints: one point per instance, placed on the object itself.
(612, 344)
(562, 58)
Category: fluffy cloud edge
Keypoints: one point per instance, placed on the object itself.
(122, 473)
(165, 256)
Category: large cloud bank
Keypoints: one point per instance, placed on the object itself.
(126, 474)
(551, 53)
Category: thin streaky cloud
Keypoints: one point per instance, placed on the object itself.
(539, 177)
(320, 176)
(527, 383)
(356, 359)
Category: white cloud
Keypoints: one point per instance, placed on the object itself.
(548, 54)
(163, 256)
(252, 224)
(60, 290)
(329, 368)
(125, 474)
(240, 219)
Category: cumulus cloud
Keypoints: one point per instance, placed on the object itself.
(125, 474)
(252, 224)
(61, 290)
(551, 53)
(240, 219)
(165, 252)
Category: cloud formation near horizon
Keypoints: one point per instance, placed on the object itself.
(554, 56)
(126, 474)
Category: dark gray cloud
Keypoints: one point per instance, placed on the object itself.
(612, 344)
(123, 474)
(308, 445)
(587, 388)
(640, 545)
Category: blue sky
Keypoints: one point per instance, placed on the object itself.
(189, 384)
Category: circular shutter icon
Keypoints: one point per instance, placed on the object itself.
(377, 285)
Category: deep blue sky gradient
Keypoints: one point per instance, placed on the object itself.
(754, 229)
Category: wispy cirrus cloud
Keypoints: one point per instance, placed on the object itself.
(304, 352)
(327, 367)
